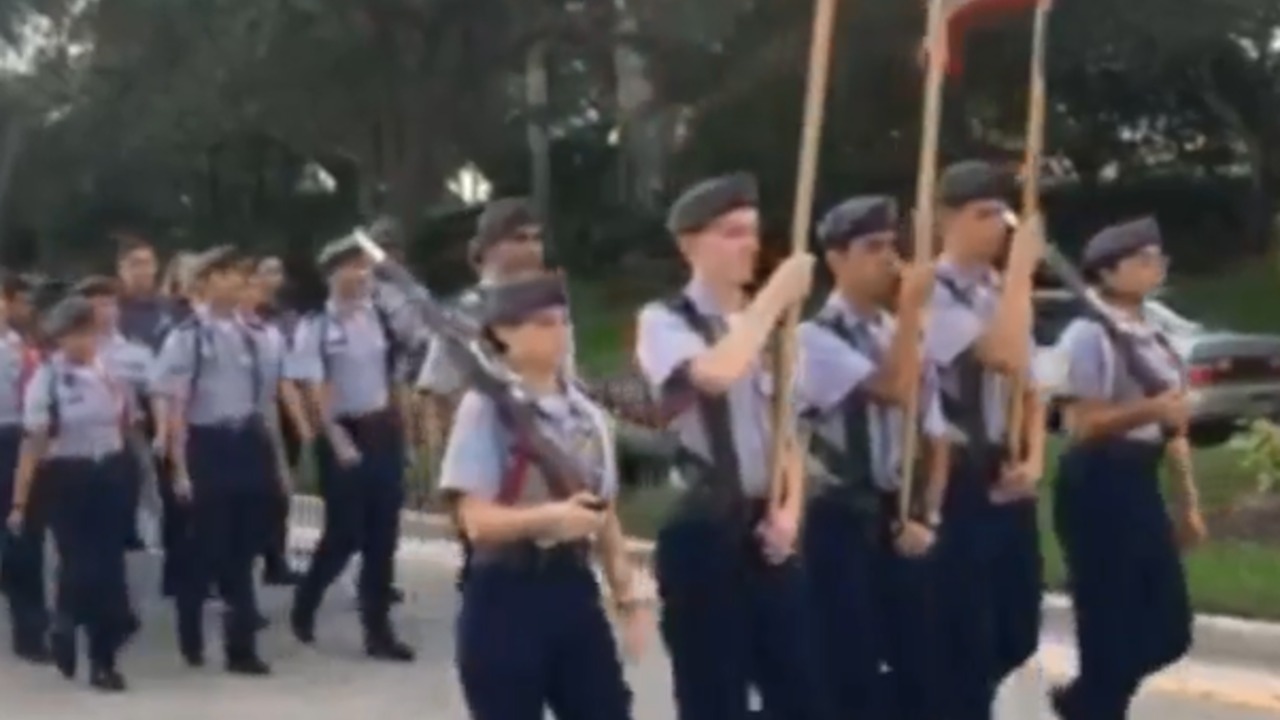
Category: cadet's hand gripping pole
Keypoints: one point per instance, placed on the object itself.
(784, 435)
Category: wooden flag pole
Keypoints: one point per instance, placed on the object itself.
(926, 182)
(1030, 198)
(802, 217)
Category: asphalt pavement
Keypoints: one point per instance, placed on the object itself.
(334, 682)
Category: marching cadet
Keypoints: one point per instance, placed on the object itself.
(145, 315)
(871, 583)
(22, 551)
(532, 630)
(1128, 587)
(74, 415)
(979, 336)
(129, 363)
(342, 356)
(279, 400)
(732, 592)
(210, 373)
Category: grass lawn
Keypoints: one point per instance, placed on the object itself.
(1229, 577)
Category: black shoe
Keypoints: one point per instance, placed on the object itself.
(1060, 701)
(62, 646)
(34, 654)
(396, 596)
(134, 544)
(280, 577)
(303, 625)
(389, 649)
(107, 680)
(249, 666)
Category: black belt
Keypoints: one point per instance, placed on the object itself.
(529, 557)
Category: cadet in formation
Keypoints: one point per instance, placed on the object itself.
(280, 404)
(979, 336)
(732, 591)
(343, 358)
(532, 630)
(73, 461)
(1128, 586)
(871, 577)
(210, 373)
(22, 568)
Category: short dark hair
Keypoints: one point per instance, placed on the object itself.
(14, 284)
(128, 243)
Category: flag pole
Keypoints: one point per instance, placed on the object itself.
(1030, 198)
(824, 15)
(926, 182)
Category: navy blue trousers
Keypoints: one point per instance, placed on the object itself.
(223, 535)
(87, 501)
(992, 573)
(1133, 614)
(730, 621)
(536, 638)
(21, 557)
(875, 617)
(361, 515)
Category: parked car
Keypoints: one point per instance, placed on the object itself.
(1234, 376)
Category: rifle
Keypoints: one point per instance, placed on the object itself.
(487, 374)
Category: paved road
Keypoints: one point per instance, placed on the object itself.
(333, 682)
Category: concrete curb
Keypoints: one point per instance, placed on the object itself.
(1228, 640)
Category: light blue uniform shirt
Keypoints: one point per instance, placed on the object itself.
(130, 362)
(347, 349)
(90, 408)
(665, 345)
(225, 353)
(831, 369)
(271, 354)
(1095, 371)
(12, 350)
(955, 324)
(480, 448)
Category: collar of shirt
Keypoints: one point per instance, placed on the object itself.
(705, 301)
(851, 315)
(967, 277)
(1138, 327)
(347, 308)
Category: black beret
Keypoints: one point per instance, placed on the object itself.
(857, 217)
(974, 180)
(222, 257)
(71, 314)
(1117, 242)
(513, 301)
(500, 220)
(705, 202)
(339, 252)
(95, 286)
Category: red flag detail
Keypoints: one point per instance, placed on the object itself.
(967, 15)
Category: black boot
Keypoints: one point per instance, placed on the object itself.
(191, 636)
(239, 639)
(62, 646)
(107, 679)
(383, 644)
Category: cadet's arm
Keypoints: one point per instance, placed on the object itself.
(34, 446)
(1090, 419)
(1178, 454)
(1003, 346)
(612, 550)
(939, 475)
(296, 408)
(319, 395)
(730, 358)
(276, 433)
(160, 416)
(895, 378)
(1033, 427)
(488, 523)
(178, 436)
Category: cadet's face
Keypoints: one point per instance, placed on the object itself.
(254, 292)
(870, 263)
(225, 284)
(1140, 273)
(19, 309)
(522, 249)
(80, 344)
(138, 270)
(728, 248)
(980, 226)
(270, 276)
(540, 342)
(353, 276)
(105, 311)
